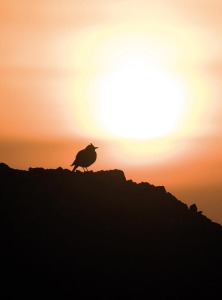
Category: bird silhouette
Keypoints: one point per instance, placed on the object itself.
(85, 158)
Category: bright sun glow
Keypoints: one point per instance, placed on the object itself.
(136, 99)
(139, 103)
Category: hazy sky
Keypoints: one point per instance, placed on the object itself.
(139, 79)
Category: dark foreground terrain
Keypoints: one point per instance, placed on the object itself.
(97, 234)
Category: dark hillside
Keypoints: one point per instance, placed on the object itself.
(98, 234)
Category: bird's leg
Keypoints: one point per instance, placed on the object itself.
(87, 170)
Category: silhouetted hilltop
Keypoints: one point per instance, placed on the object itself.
(98, 234)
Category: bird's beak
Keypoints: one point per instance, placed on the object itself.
(96, 147)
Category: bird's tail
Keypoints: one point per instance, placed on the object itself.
(73, 164)
(75, 167)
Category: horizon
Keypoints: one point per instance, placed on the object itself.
(140, 80)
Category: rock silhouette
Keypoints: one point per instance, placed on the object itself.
(85, 158)
(98, 234)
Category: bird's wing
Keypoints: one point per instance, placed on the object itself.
(80, 155)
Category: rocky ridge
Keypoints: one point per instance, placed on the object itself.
(88, 234)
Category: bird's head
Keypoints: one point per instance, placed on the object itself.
(91, 147)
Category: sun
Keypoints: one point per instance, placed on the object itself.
(136, 95)
(140, 102)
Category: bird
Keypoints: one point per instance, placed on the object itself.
(85, 158)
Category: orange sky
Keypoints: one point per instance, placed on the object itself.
(67, 67)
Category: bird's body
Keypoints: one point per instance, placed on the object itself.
(85, 158)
